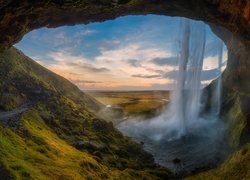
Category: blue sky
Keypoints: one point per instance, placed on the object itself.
(128, 53)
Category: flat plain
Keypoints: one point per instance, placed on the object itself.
(134, 103)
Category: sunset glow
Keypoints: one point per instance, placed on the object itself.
(128, 53)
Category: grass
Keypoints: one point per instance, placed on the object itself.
(113, 100)
(134, 102)
(41, 154)
(8, 102)
(236, 122)
(44, 155)
(142, 106)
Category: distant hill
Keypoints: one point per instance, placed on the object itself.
(51, 130)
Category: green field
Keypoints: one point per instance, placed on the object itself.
(134, 103)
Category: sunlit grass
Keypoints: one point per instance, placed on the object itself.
(112, 100)
(44, 154)
(141, 106)
(41, 154)
(132, 102)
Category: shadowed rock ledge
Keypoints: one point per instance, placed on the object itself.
(20, 17)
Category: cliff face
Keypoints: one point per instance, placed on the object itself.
(236, 83)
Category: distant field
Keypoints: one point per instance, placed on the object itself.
(133, 102)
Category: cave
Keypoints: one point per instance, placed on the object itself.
(228, 20)
(231, 21)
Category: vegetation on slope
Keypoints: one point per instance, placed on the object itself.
(60, 130)
(41, 154)
(236, 167)
(235, 120)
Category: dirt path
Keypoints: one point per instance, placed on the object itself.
(9, 114)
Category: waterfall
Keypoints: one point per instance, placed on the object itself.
(186, 98)
(197, 47)
(216, 96)
(182, 116)
(185, 130)
(183, 60)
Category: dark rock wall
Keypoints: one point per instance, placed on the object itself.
(20, 17)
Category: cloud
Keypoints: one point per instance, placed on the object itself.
(76, 74)
(105, 45)
(211, 49)
(158, 71)
(211, 62)
(60, 38)
(134, 63)
(171, 74)
(85, 81)
(131, 51)
(210, 74)
(88, 67)
(206, 75)
(170, 61)
(85, 32)
(146, 76)
(133, 58)
(64, 59)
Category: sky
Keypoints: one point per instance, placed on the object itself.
(128, 53)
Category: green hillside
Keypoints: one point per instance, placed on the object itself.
(57, 136)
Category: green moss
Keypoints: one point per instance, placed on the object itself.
(236, 121)
(8, 102)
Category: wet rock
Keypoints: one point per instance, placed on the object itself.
(4, 173)
(176, 161)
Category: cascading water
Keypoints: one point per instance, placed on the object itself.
(181, 131)
(178, 98)
(216, 99)
(186, 100)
